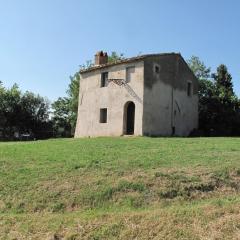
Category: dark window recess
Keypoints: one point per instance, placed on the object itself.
(157, 69)
(189, 89)
(129, 73)
(104, 79)
(103, 115)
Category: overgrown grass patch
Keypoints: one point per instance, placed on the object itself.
(120, 188)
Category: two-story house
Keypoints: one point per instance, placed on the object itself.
(151, 95)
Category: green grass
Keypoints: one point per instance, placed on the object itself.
(120, 188)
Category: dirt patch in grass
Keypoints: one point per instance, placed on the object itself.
(172, 184)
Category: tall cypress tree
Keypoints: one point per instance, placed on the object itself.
(223, 82)
(219, 107)
(226, 111)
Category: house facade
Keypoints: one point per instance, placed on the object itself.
(148, 95)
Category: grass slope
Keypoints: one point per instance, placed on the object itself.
(120, 188)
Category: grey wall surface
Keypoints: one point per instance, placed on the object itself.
(166, 104)
(185, 107)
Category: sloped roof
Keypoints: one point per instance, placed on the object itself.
(126, 60)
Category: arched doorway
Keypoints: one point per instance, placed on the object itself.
(129, 118)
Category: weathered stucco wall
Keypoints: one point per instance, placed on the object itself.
(166, 104)
(158, 89)
(185, 108)
(113, 97)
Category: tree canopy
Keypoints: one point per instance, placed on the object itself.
(22, 112)
(219, 108)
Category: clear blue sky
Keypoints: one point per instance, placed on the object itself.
(43, 42)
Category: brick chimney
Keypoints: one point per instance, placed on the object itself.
(101, 58)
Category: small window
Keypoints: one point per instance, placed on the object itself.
(104, 79)
(103, 115)
(157, 69)
(189, 89)
(129, 72)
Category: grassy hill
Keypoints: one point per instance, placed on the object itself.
(120, 188)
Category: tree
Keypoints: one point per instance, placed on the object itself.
(223, 82)
(218, 105)
(23, 112)
(228, 115)
(73, 95)
(205, 92)
(199, 68)
(35, 114)
(61, 119)
(10, 110)
(203, 75)
(114, 57)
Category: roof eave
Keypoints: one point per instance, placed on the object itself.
(127, 60)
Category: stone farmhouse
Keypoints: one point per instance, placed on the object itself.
(147, 95)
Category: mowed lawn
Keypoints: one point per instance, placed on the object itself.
(120, 188)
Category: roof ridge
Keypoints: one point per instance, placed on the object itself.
(126, 60)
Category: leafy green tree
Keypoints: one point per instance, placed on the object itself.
(114, 57)
(223, 82)
(65, 109)
(206, 91)
(227, 117)
(10, 110)
(22, 112)
(199, 68)
(35, 111)
(203, 73)
(73, 95)
(61, 119)
(218, 105)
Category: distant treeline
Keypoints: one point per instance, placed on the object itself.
(25, 115)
